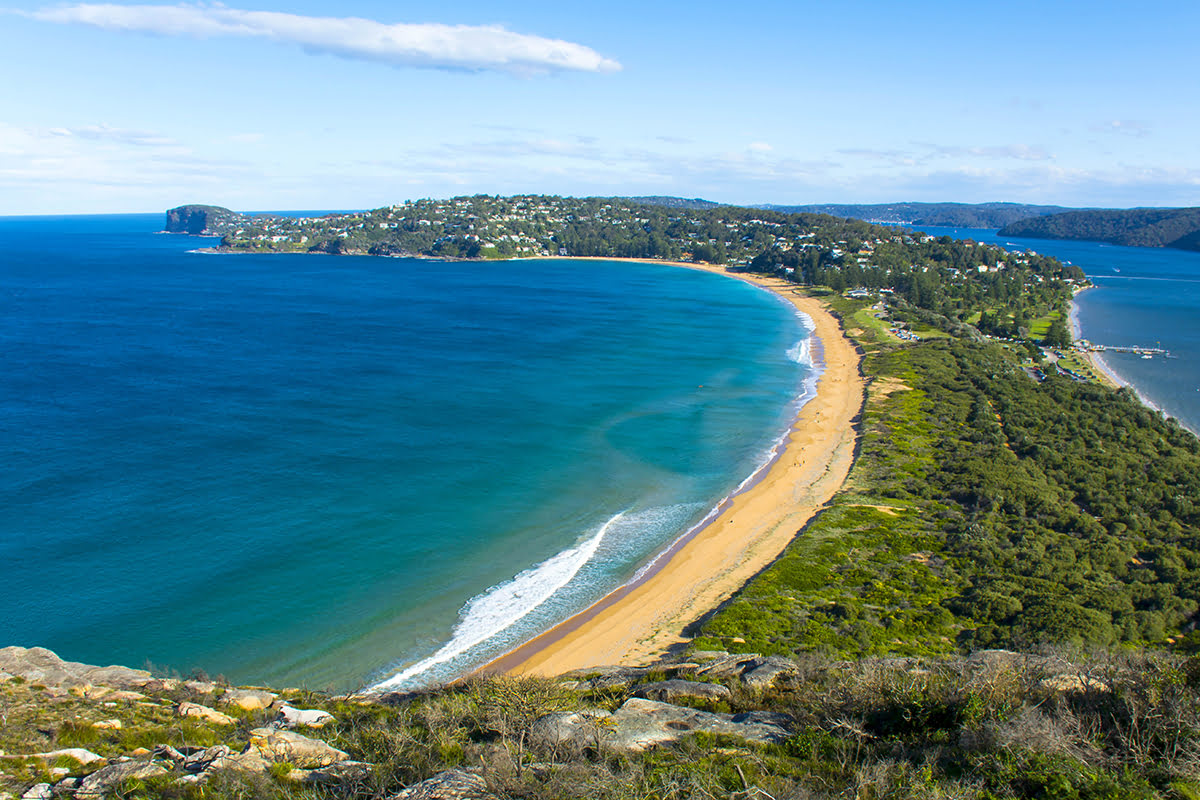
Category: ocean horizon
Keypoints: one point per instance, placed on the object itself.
(333, 471)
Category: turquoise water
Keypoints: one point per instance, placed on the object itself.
(1144, 296)
(325, 471)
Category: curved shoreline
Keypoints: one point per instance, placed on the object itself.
(641, 619)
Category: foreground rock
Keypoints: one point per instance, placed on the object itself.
(751, 669)
(39, 665)
(672, 690)
(107, 778)
(205, 713)
(295, 749)
(249, 699)
(302, 718)
(640, 724)
(454, 784)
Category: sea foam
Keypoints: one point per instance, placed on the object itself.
(505, 604)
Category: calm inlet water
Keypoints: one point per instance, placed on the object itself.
(327, 471)
(1148, 296)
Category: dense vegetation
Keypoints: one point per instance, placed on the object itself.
(1138, 227)
(947, 215)
(987, 509)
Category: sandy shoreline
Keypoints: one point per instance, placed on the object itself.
(1097, 361)
(640, 621)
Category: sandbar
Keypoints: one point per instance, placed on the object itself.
(641, 621)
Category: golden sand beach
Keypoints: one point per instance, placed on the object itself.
(640, 621)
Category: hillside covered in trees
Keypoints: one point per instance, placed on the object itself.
(942, 215)
(1138, 227)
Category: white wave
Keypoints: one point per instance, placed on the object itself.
(801, 352)
(505, 604)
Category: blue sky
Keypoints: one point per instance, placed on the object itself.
(303, 105)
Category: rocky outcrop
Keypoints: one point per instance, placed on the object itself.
(295, 749)
(640, 724)
(201, 220)
(454, 784)
(107, 778)
(205, 713)
(672, 690)
(249, 699)
(302, 718)
(39, 665)
(750, 668)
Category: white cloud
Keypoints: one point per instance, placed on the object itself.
(463, 47)
(106, 133)
(760, 147)
(1128, 127)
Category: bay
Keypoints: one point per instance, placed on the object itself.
(319, 471)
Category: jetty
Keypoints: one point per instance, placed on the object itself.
(1083, 344)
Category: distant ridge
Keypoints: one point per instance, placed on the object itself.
(674, 202)
(1178, 228)
(941, 215)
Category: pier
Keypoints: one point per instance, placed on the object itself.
(1116, 348)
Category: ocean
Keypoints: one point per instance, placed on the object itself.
(1144, 296)
(330, 471)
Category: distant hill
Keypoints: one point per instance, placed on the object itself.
(1136, 227)
(674, 202)
(942, 215)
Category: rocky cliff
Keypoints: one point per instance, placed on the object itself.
(203, 220)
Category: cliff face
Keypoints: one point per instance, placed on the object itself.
(202, 220)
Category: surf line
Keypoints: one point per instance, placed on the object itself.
(523, 652)
(499, 608)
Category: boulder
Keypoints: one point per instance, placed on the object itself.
(763, 672)
(39, 665)
(672, 690)
(295, 749)
(84, 757)
(454, 784)
(202, 759)
(39, 791)
(340, 774)
(106, 778)
(200, 687)
(750, 668)
(205, 713)
(606, 677)
(640, 724)
(249, 699)
(108, 725)
(303, 717)
(580, 728)
(249, 760)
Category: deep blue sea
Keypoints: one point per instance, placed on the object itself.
(326, 471)
(1146, 296)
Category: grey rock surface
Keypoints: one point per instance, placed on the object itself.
(105, 779)
(672, 690)
(39, 665)
(640, 724)
(454, 784)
